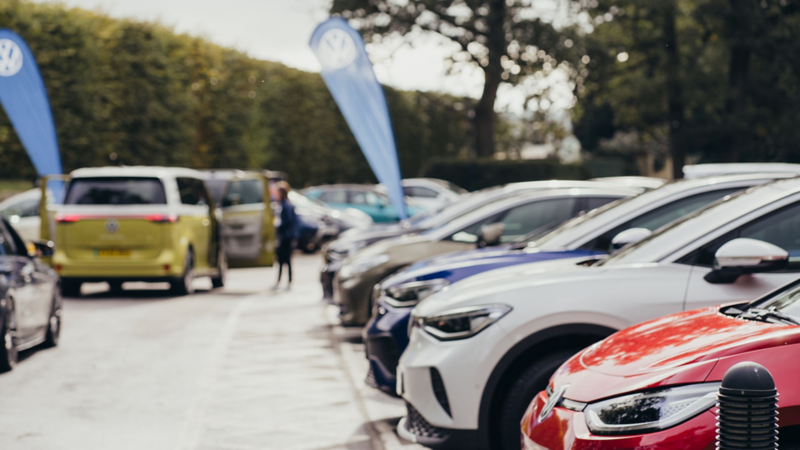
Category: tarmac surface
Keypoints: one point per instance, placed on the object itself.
(239, 368)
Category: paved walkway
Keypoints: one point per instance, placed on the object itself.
(242, 368)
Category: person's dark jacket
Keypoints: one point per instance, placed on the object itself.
(289, 228)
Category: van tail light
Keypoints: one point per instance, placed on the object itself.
(67, 218)
(161, 218)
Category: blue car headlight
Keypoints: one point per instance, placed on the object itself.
(409, 294)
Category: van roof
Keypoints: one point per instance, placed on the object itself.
(136, 171)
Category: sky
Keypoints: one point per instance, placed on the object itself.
(279, 30)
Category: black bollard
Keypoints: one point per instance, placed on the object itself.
(747, 409)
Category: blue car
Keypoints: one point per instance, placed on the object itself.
(369, 199)
(593, 234)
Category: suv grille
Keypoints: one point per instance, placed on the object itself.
(383, 349)
(418, 426)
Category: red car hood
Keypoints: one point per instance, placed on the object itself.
(681, 348)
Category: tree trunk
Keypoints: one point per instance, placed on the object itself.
(485, 119)
(677, 144)
(484, 110)
(740, 21)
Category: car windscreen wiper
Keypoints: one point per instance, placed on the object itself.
(770, 315)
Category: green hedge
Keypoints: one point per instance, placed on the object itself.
(478, 174)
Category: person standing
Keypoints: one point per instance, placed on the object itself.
(287, 232)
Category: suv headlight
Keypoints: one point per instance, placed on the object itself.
(409, 294)
(646, 412)
(362, 265)
(461, 323)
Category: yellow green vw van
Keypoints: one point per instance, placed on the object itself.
(119, 224)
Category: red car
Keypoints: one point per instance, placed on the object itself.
(654, 385)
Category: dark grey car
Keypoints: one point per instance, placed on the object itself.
(30, 299)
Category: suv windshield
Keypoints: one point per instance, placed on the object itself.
(781, 307)
(542, 236)
(621, 253)
(116, 191)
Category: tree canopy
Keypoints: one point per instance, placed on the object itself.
(727, 90)
(126, 92)
(508, 40)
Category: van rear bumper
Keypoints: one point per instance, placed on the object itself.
(166, 266)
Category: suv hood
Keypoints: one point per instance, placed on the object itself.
(494, 285)
(675, 349)
(462, 265)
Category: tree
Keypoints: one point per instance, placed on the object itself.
(718, 78)
(507, 39)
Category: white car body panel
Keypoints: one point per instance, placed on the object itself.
(637, 284)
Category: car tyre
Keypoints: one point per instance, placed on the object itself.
(524, 388)
(218, 280)
(183, 285)
(54, 323)
(70, 288)
(8, 351)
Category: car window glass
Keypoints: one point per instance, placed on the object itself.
(334, 196)
(365, 198)
(657, 218)
(781, 228)
(470, 234)
(187, 187)
(243, 192)
(25, 208)
(116, 191)
(533, 216)
(217, 188)
(593, 203)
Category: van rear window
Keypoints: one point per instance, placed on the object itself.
(116, 191)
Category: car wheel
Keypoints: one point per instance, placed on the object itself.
(218, 280)
(183, 285)
(309, 248)
(54, 323)
(70, 288)
(8, 351)
(524, 388)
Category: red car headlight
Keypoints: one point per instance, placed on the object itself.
(649, 411)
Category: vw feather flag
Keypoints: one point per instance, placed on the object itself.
(25, 101)
(348, 73)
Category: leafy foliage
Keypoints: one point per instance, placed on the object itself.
(736, 72)
(125, 92)
(508, 40)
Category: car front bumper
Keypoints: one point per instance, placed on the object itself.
(444, 380)
(385, 339)
(168, 264)
(564, 429)
(354, 295)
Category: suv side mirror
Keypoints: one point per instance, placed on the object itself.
(743, 256)
(629, 236)
(491, 234)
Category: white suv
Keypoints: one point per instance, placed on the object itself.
(481, 348)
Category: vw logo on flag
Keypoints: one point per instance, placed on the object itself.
(337, 49)
(10, 58)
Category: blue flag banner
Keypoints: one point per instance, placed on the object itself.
(25, 101)
(348, 73)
